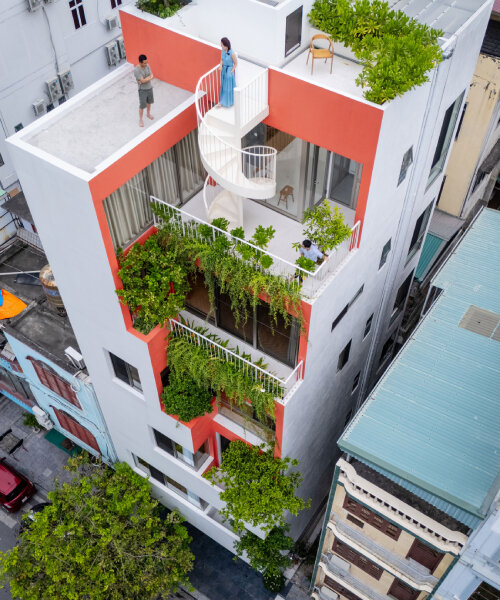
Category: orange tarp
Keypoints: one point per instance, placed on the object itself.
(11, 306)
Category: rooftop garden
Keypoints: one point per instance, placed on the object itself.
(396, 51)
(161, 8)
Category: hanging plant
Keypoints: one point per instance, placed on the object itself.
(208, 371)
(184, 398)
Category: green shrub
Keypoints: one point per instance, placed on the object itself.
(160, 8)
(182, 397)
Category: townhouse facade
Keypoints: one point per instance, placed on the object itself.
(292, 139)
(413, 508)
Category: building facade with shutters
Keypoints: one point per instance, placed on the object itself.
(51, 51)
(413, 509)
(293, 138)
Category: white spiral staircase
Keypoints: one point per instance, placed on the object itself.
(242, 172)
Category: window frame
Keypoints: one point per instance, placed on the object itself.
(355, 508)
(385, 253)
(54, 382)
(198, 458)
(419, 230)
(78, 13)
(357, 559)
(76, 429)
(344, 356)
(115, 3)
(368, 325)
(405, 165)
(135, 384)
(355, 382)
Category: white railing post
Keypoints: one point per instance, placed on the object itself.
(238, 108)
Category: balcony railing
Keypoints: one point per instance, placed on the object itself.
(280, 388)
(419, 576)
(31, 238)
(351, 582)
(312, 283)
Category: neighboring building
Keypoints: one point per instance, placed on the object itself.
(88, 184)
(35, 371)
(50, 51)
(413, 509)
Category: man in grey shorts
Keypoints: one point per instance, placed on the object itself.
(144, 76)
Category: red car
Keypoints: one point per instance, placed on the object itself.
(15, 489)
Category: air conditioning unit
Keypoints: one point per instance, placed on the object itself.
(42, 417)
(121, 47)
(54, 88)
(66, 80)
(34, 4)
(39, 107)
(112, 53)
(75, 358)
(112, 22)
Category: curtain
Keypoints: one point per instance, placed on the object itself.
(128, 210)
(162, 176)
(191, 171)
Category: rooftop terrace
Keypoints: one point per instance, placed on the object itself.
(17, 260)
(434, 418)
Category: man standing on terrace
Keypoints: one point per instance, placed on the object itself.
(144, 77)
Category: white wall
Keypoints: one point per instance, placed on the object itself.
(34, 46)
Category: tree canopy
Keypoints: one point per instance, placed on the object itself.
(102, 538)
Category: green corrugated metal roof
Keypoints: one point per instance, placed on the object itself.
(434, 418)
(432, 245)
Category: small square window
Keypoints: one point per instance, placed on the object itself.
(125, 372)
(355, 383)
(344, 357)
(405, 165)
(62, 99)
(387, 350)
(18, 127)
(385, 253)
(348, 418)
(1, 161)
(115, 3)
(50, 107)
(368, 326)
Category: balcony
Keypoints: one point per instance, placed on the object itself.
(280, 248)
(349, 581)
(412, 572)
(282, 386)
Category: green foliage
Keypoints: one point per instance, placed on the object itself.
(306, 263)
(184, 398)
(236, 268)
(395, 50)
(102, 538)
(274, 582)
(257, 488)
(206, 371)
(270, 555)
(160, 8)
(325, 228)
(30, 421)
(155, 282)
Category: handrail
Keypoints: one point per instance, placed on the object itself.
(311, 281)
(278, 386)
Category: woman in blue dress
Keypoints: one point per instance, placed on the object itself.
(227, 68)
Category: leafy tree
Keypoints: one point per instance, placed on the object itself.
(257, 488)
(269, 555)
(101, 539)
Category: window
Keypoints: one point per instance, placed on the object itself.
(1, 161)
(18, 127)
(357, 559)
(344, 357)
(400, 300)
(355, 382)
(125, 372)
(386, 350)
(444, 140)
(485, 592)
(355, 508)
(461, 120)
(293, 32)
(348, 418)
(405, 165)
(71, 425)
(16, 386)
(418, 232)
(78, 13)
(368, 325)
(424, 555)
(170, 483)
(194, 460)
(385, 253)
(343, 312)
(175, 176)
(115, 3)
(440, 190)
(49, 378)
(337, 587)
(401, 591)
(356, 522)
(62, 100)
(276, 339)
(50, 107)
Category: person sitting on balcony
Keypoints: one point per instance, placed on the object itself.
(312, 252)
(144, 76)
(227, 68)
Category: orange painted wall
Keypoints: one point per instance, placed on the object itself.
(174, 58)
(327, 119)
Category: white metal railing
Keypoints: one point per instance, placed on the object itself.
(257, 163)
(350, 581)
(311, 283)
(251, 100)
(270, 382)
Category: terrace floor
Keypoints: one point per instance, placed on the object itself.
(103, 121)
(342, 78)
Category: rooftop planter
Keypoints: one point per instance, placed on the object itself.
(396, 51)
(161, 8)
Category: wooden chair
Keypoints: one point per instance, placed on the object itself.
(320, 52)
(285, 193)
